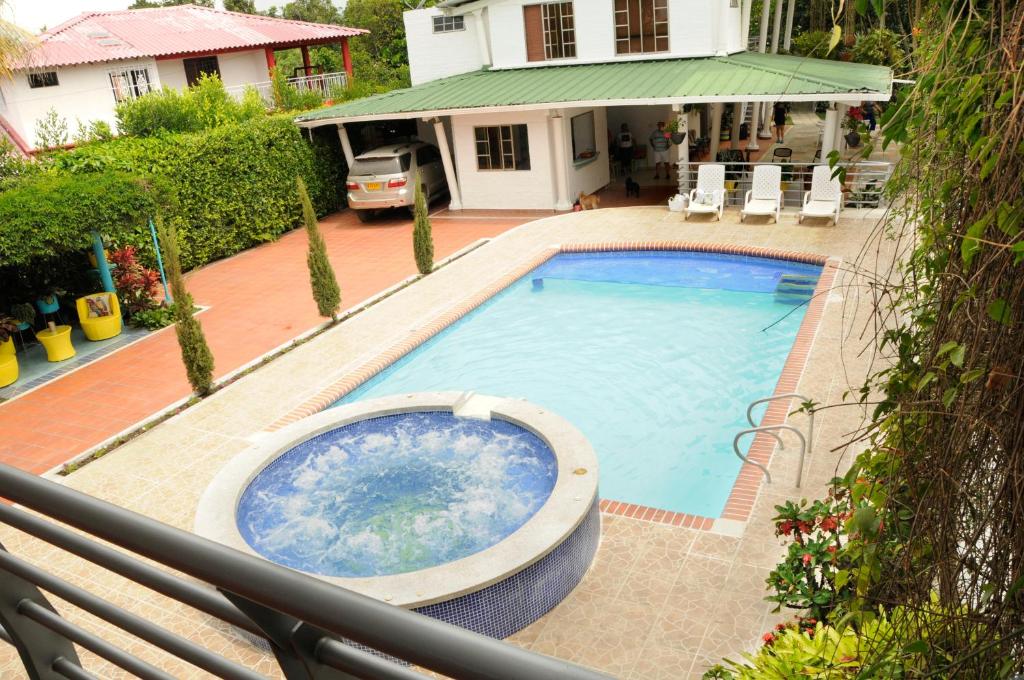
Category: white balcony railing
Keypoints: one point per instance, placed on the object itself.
(322, 83)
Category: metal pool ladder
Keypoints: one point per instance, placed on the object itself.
(805, 442)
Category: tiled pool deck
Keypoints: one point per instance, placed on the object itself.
(661, 601)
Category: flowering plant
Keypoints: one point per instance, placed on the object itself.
(136, 285)
(808, 577)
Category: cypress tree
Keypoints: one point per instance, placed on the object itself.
(326, 291)
(422, 239)
(195, 353)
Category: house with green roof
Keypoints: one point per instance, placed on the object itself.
(526, 100)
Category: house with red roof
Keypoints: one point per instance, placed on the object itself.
(82, 68)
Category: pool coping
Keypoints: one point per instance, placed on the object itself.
(568, 505)
(745, 489)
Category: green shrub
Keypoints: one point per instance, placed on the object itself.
(51, 130)
(233, 183)
(50, 213)
(422, 239)
(287, 97)
(813, 44)
(204, 105)
(880, 47)
(326, 291)
(195, 353)
(154, 319)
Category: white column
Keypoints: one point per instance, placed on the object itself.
(828, 136)
(346, 146)
(766, 121)
(449, 166)
(755, 121)
(841, 110)
(716, 128)
(561, 169)
(683, 167)
(776, 26)
(737, 120)
(745, 25)
(790, 11)
(762, 41)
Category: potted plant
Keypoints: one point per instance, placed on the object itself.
(24, 314)
(787, 175)
(852, 124)
(672, 128)
(48, 301)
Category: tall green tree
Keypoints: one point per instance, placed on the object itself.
(316, 11)
(195, 352)
(326, 291)
(149, 4)
(243, 6)
(422, 238)
(383, 18)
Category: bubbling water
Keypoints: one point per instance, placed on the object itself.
(395, 494)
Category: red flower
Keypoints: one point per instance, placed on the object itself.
(830, 523)
(768, 638)
(804, 527)
(779, 627)
(785, 528)
(807, 558)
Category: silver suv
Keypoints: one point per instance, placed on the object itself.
(385, 177)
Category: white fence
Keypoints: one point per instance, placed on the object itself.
(863, 186)
(322, 83)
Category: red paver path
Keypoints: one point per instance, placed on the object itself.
(258, 300)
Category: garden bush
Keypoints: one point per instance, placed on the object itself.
(813, 44)
(326, 291)
(204, 105)
(232, 184)
(881, 47)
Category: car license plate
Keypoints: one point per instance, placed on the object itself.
(373, 186)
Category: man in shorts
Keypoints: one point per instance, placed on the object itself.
(660, 143)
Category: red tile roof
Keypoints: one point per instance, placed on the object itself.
(184, 29)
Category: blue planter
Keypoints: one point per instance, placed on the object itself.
(48, 308)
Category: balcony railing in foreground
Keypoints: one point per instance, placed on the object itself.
(323, 83)
(302, 618)
(863, 186)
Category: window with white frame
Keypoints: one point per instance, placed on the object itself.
(447, 24)
(584, 141)
(130, 82)
(641, 26)
(502, 147)
(559, 30)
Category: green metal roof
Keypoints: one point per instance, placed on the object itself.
(746, 76)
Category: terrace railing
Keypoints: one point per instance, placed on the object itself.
(302, 619)
(863, 187)
(323, 83)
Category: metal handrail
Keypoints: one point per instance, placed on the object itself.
(770, 429)
(300, 615)
(788, 395)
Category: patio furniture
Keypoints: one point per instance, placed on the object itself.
(765, 196)
(57, 343)
(639, 158)
(7, 347)
(825, 199)
(8, 369)
(709, 196)
(783, 153)
(99, 315)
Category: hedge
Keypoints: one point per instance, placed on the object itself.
(233, 185)
(52, 213)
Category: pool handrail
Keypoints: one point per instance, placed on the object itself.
(787, 395)
(302, 617)
(771, 430)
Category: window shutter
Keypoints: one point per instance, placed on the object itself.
(534, 25)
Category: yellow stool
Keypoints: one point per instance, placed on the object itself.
(8, 369)
(57, 343)
(7, 347)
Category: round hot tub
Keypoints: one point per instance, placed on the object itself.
(476, 510)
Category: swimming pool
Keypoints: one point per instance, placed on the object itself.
(654, 355)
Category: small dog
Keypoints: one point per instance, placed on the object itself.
(590, 201)
(632, 188)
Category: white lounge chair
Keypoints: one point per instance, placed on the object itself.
(765, 196)
(709, 196)
(825, 199)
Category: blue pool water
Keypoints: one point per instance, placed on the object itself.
(397, 493)
(653, 355)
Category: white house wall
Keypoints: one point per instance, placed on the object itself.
(592, 176)
(439, 55)
(83, 95)
(531, 189)
(236, 68)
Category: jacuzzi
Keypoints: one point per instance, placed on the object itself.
(480, 511)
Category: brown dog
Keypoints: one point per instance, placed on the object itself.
(590, 201)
